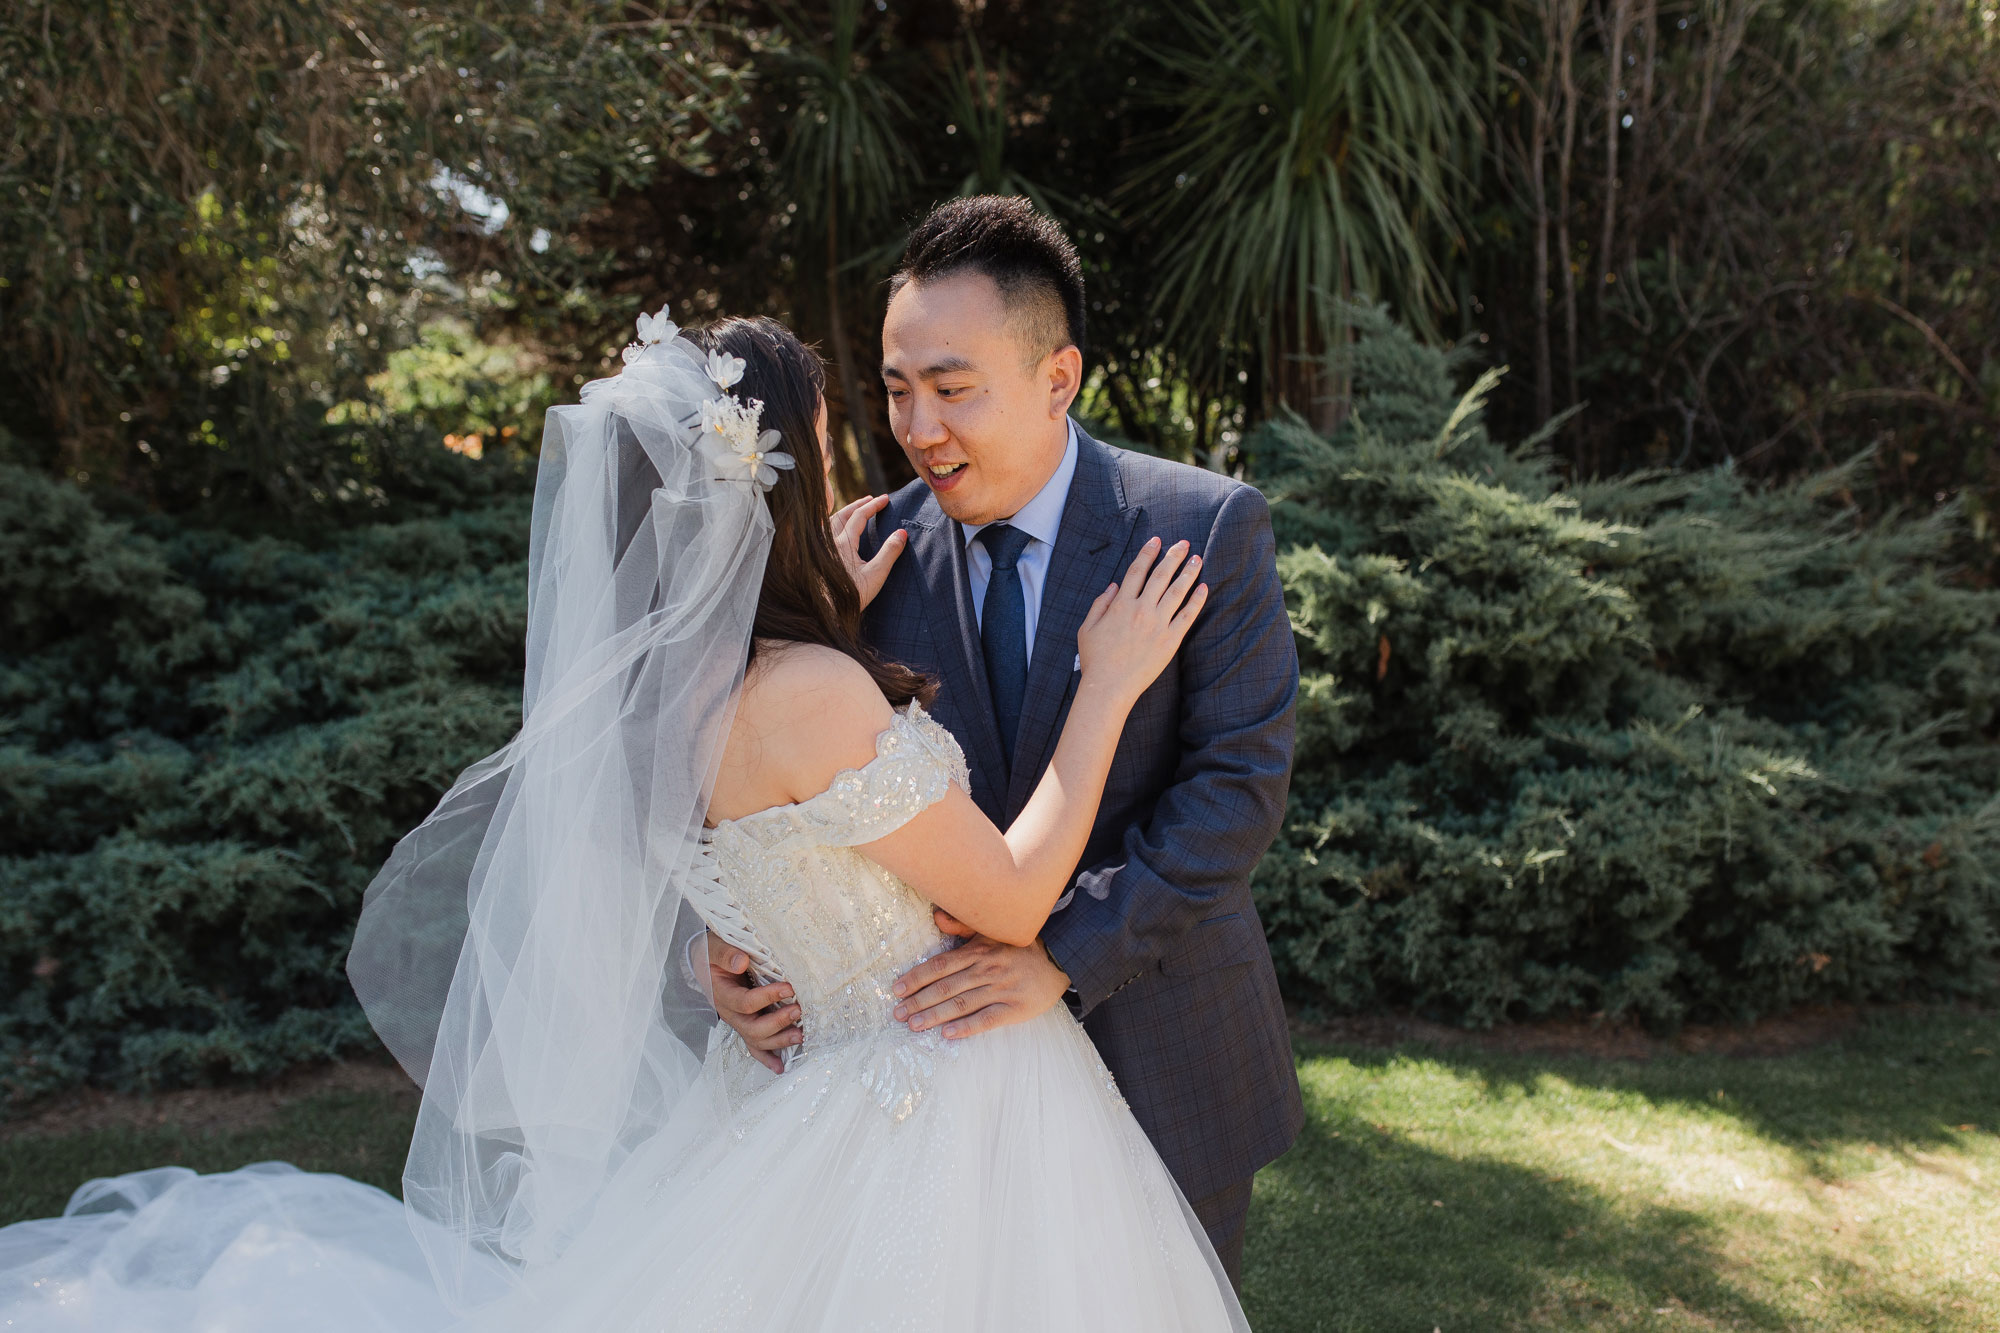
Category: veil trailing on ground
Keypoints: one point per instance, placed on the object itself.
(518, 951)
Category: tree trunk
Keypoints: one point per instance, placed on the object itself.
(1571, 19)
(853, 405)
(1538, 193)
(1297, 376)
(1333, 383)
(1620, 25)
(1642, 127)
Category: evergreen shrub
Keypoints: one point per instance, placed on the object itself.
(1664, 746)
(208, 744)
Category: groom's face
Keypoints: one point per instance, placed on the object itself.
(981, 413)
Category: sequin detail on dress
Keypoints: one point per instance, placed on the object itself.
(834, 924)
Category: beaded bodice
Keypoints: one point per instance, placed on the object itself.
(808, 908)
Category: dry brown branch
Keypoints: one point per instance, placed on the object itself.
(1924, 397)
(1930, 334)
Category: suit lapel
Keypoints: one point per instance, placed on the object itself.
(1092, 551)
(939, 551)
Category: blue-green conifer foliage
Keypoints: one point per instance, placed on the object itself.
(1666, 746)
(208, 744)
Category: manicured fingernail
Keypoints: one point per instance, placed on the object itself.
(1152, 541)
(899, 988)
(902, 1012)
(737, 960)
(951, 1032)
(1194, 562)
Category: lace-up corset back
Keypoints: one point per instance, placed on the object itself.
(792, 892)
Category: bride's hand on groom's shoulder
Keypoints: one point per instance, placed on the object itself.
(978, 986)
(1135, 627)
(849, 522)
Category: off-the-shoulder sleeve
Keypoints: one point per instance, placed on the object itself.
(915, 761)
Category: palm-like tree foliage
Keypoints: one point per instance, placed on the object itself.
(1320, 152)
(975, 97)
(845, 162)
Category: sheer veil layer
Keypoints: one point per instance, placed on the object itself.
(516, 953)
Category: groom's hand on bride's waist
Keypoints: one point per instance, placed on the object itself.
(764, 1016)
(978, 986)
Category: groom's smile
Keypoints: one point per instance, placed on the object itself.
(942, 473)
(979, 384)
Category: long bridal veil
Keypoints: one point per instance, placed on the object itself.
(518, 953)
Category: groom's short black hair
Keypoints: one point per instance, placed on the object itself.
(1025, 253)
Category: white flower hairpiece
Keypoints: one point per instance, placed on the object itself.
(653, 330)
(732, 440)
(724, 369)
(732, 436)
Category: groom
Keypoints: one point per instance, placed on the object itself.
(1016, 522)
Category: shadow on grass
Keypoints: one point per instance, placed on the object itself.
(1900, 1081)
(1361, 1228)
(1358, 1229)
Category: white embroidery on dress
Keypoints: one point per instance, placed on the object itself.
(790, 890)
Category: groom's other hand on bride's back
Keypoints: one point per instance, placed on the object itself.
(765, 1017)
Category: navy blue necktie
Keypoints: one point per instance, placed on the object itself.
(1003, 629)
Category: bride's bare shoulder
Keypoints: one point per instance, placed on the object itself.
(813, 711)
(789, 678)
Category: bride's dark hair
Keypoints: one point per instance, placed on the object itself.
(808, 596)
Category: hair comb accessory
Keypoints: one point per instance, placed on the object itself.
(733, 443)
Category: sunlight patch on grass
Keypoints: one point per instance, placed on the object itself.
(1824, 1190)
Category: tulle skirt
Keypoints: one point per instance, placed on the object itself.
(998, 1184)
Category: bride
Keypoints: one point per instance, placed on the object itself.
(707, 746)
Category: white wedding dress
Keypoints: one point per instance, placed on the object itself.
(887, 1180)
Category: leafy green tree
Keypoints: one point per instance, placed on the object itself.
(218, 217)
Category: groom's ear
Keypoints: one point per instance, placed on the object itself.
(1063, 373)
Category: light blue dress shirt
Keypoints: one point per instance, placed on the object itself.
(1041, 519)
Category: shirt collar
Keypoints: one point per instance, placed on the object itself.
(1041, 517)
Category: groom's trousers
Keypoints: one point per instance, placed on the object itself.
(1224, 1215)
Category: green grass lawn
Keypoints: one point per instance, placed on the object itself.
(1851, 1187)
(1855, 1186)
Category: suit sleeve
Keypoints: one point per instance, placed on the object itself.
(1239, 677)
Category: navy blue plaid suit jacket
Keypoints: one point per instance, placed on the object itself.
(1173, 977)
